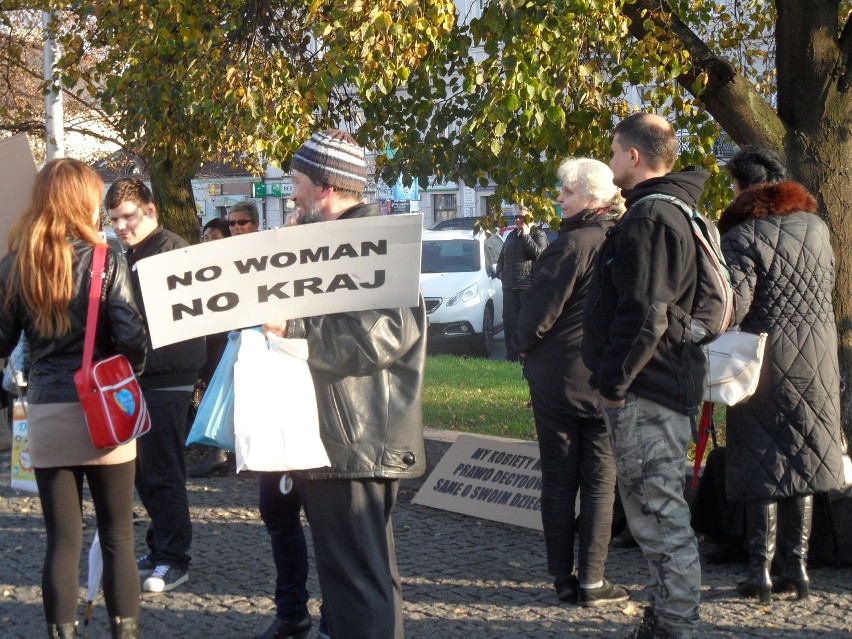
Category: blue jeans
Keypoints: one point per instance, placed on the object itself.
(649, 443)
(281, 514)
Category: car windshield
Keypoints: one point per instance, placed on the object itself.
(450, 256)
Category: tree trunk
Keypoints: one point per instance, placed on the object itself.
(174, 199)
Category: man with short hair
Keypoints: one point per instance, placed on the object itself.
(367, 369)
(243, 218)
(645, 365)
(167, 384)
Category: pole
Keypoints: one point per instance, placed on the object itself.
(53, 120)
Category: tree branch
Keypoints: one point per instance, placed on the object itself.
(730, 98)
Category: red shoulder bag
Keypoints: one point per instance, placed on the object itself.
(109, 392)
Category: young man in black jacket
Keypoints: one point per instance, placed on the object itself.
(167, 385)
(645, 365)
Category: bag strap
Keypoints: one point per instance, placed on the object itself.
(95, 287)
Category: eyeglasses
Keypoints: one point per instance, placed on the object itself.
(233, 223)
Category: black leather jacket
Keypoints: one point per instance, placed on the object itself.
(53, 362)
(367, 368)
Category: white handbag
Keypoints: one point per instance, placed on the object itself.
(734, 360)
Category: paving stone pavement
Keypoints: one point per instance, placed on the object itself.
(463, 578)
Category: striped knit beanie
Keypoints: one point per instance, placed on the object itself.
(333, 158)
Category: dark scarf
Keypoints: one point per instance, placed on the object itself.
(580, 219)
(765, 200)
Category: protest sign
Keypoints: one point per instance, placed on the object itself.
(487, 477)
(17, 176)
(315, 269)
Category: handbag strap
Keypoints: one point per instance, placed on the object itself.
(95, 287)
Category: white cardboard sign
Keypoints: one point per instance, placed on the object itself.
(487, 477)
(17, 176)
(300, 271)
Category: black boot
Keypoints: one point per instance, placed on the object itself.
(214, 463)
(798, 514)
(124, 628)
(762, 520)
(62, 630)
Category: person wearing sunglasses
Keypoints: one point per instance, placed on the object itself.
(243, 218)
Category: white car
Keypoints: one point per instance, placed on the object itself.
(464, 301)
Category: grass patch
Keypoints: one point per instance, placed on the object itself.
(474, 395)
(486, 397)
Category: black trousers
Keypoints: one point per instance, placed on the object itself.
(61, 494)
(161, 477)
(576, 454)
(511, 309)
(355, 555)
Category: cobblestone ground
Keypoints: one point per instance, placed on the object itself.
(462, 578)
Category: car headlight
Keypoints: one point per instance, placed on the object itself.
(467, 294)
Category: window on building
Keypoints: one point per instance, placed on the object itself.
(444, 206)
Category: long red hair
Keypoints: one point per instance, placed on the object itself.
(66, 196)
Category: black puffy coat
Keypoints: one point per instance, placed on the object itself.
(550, 323)
(519, 253)
(784, 441)
(54, 361)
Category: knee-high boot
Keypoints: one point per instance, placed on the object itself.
(62, 630)
(124, 628)
(762, 520)
(798, 515)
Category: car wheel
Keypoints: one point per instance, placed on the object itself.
(485, 340)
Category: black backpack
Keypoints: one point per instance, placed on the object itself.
(713, 308)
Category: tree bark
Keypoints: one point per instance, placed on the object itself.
(174, 199)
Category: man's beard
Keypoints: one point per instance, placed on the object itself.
(309, 216)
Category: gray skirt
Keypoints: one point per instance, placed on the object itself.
(58, 436)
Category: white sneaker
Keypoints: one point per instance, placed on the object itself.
(165, 578)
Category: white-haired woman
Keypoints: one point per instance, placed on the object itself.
(572, 437)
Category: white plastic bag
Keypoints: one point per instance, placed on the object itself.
(734, 360)
(276, 427)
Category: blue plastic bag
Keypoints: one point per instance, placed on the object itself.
(214, 420)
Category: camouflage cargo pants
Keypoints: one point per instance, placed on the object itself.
(649, 443)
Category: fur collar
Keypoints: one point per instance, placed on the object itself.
(765, 200)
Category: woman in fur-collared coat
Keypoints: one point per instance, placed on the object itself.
(783, 443)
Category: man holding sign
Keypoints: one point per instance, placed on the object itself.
(367, 369)
(167, 384)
